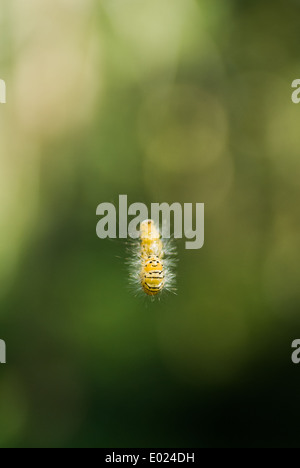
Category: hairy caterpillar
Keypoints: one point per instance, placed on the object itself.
(152, 262)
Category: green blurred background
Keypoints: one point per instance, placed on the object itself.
(163, 100)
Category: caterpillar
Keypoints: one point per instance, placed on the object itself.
(152, 262)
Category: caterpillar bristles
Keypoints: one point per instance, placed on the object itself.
(152, 262)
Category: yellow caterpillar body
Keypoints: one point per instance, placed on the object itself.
(151, 262)
(152, 274)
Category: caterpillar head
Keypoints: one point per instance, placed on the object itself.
(148, 230)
